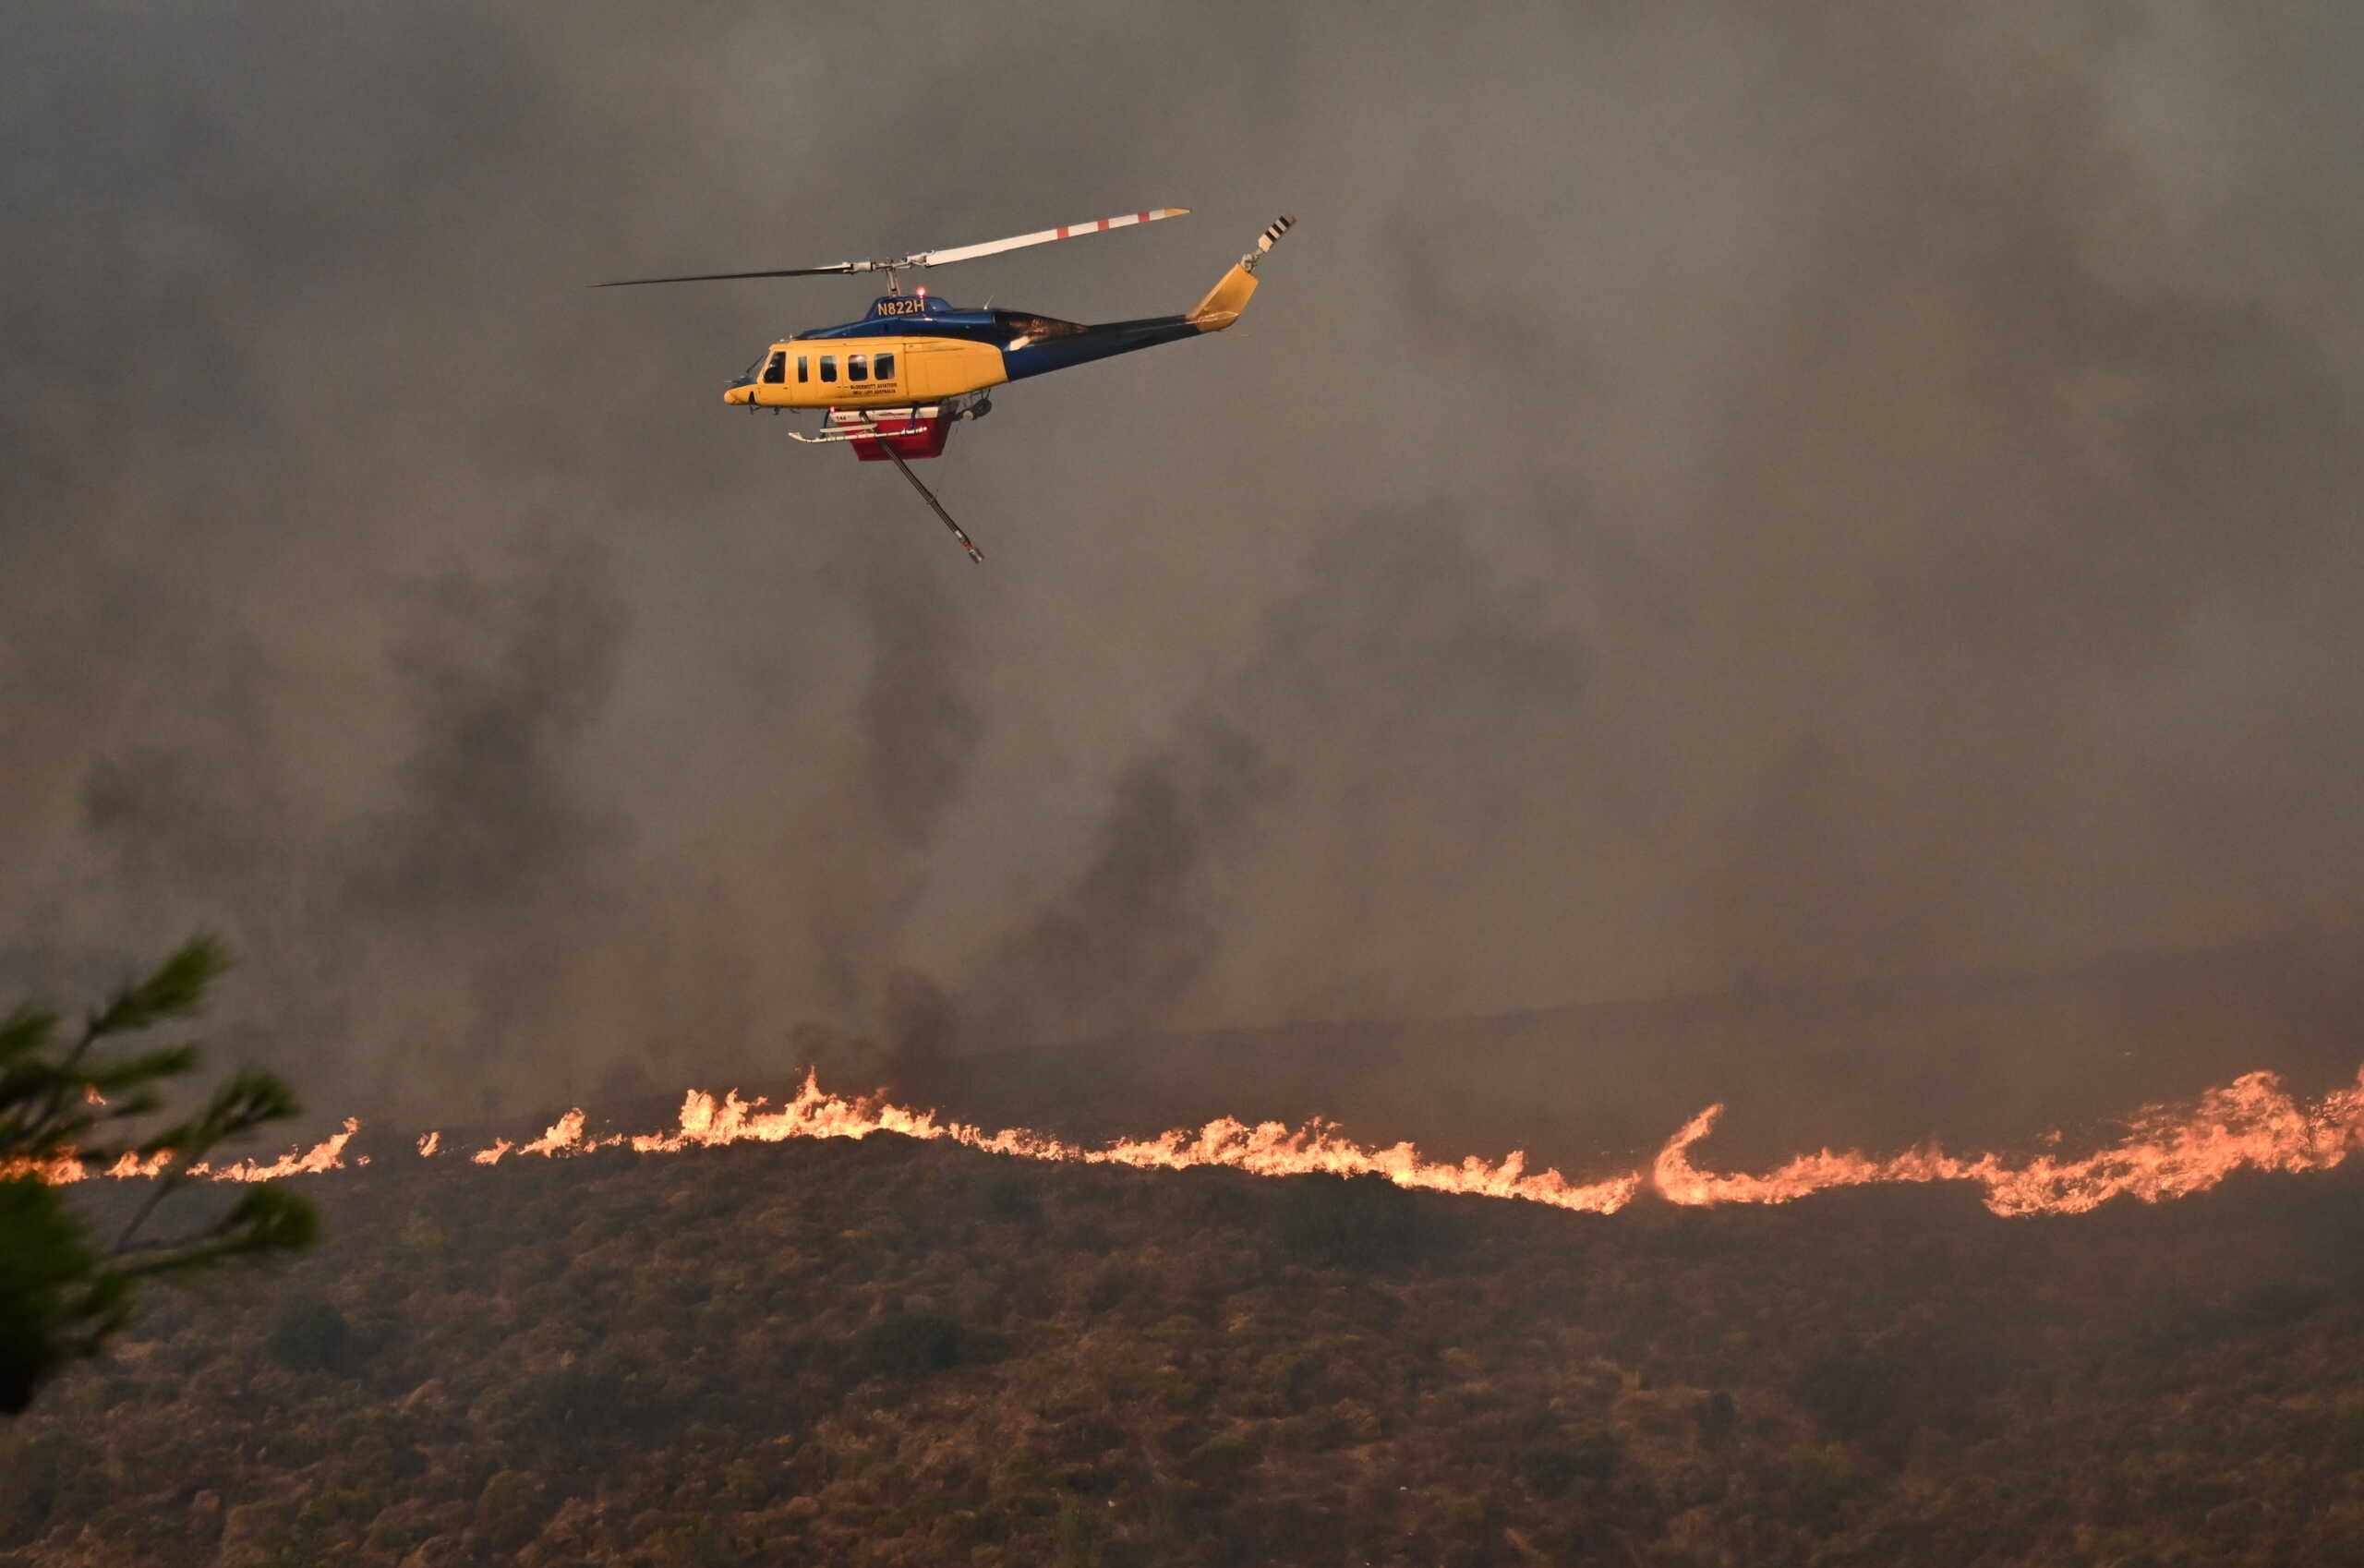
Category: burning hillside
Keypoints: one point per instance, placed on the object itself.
(902, 1352)
(2164, 1152)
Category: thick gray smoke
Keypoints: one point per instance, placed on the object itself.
(1402, 709)
(1710, 496)
(503, 676)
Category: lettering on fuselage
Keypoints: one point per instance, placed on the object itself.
(899, 308)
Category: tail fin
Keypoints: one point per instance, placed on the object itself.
(1229, 298)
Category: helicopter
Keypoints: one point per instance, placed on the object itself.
(893, 384)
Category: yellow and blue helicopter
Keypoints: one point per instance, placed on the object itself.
(893, 384)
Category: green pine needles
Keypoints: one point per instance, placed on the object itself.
(79, 1099)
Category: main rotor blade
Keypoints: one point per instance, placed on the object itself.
(730, 277)
(925, 257)
(1068, 231)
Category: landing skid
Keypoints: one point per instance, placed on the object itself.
(868, 430)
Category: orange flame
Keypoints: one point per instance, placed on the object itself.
(563, 1136)
(326, 1155)
(128, 1164)
(1267, 1149)
(2251, 1124)
(57, 1172)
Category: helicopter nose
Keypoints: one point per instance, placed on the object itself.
(741, 391)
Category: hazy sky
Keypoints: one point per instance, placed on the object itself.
(1707, 491)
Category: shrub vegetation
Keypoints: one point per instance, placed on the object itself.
(887, 1353)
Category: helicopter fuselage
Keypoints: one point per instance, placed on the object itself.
(893, 384)
(918, 348)
(893, 359)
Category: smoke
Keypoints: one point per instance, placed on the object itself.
(1135, 930)
(503, 675)
(1706, 494)
(920, 723)
(1402, 709)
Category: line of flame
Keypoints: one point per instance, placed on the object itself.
(328, 1154)
(2252, 1123)
(1266, 1149)
(1269, 1149)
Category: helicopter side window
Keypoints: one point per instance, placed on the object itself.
(857, 367)
(804, 369)
(886, 367)
(828, 366)
(775, 368)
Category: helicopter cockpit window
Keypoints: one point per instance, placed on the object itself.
(828, 366)
(775, 368)
(857, 367)
(886, 367)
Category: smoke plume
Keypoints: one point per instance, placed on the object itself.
(1709, 498)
